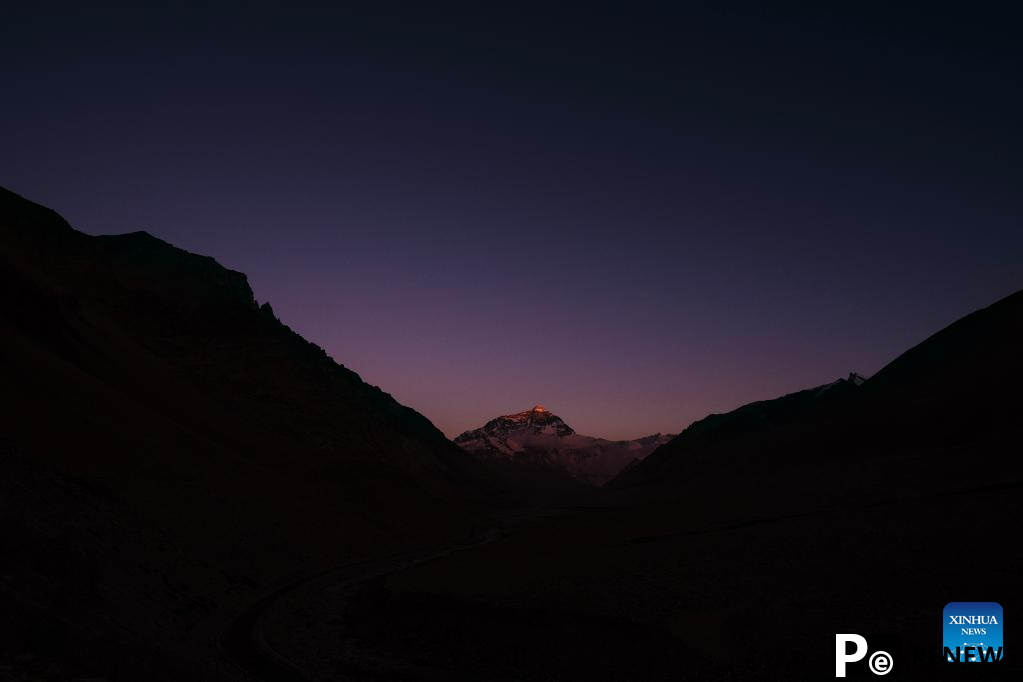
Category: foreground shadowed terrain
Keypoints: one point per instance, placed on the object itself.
(189, 490)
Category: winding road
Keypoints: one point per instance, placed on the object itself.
(243, 642)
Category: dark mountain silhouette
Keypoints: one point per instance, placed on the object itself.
(169, 448)
(694, 451)
(540, 438)
(957, 390)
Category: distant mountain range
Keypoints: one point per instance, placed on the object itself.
(540, 437)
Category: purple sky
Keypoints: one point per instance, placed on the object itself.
(634, 219)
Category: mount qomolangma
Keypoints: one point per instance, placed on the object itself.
(539, 437)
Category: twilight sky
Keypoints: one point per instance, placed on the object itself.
(633, 216)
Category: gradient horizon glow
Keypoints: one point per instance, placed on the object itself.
(635, 218)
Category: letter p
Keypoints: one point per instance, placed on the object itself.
(841, 658)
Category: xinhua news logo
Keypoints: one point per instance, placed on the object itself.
(855, 657)
(972, 632)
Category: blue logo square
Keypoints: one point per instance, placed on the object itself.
(975, 624)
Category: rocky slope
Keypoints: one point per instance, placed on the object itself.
(169, 449)
(956, 393)
(540, 437)
(696, 450)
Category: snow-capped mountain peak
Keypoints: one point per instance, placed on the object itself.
(538, 435)
(537, 420)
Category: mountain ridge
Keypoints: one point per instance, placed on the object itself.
(751, 420)
(225, 451)
(954, 387)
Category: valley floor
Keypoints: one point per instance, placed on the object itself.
(716, 585)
